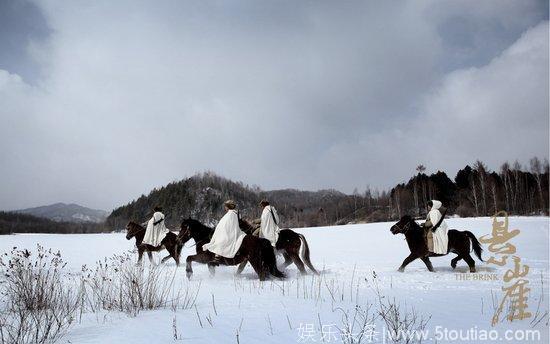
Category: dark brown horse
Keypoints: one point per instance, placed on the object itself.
(289, 242)
(169, 243)
(459, 243)
(253, 249)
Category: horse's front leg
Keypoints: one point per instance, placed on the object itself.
(165, 259)
(150, 255)
(201, 257)
(212, 269)
(241, 267)
(428, 263)
(188, 268)
(140, 254)
(407, 261)
(173, 253)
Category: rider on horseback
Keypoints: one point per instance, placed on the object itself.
(156, 229)
(227, 237)
(269, 225)
(436, 235)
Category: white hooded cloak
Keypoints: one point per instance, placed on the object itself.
(269, 228)
(228, 237)
(155, 233)
(441, 240)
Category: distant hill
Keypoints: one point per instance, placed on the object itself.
(11, 222)
(62, 212)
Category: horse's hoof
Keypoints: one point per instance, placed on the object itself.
(401, 270)
(472, 270)
(189, 274)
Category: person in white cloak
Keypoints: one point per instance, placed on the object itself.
(440, 238)
(227, 237)
(156, 229)
(269, 223)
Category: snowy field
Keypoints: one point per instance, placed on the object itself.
(311, 309)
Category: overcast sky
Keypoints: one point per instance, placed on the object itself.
(101, 101)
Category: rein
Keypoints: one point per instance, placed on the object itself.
(405, 228)
(188, 231)
(139, 230)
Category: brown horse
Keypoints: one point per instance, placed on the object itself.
(459, 243)
(253, 249)
(169, 243)
(289, 242)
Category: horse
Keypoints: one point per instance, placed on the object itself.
(289, 242)
(459, 243)
(169, 243)
(256, 250)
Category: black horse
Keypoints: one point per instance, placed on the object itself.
(169, 243)
(257, 251)
(289, 243)
(459, 243)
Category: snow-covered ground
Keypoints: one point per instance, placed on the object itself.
(304, 309)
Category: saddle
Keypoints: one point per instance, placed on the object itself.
(429, 238)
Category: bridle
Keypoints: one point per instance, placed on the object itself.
(186, 232)
(405, 228)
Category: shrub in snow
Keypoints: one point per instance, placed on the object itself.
(37, 304)
(118, 284)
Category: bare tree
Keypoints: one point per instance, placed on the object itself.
(536, 169)
(494, 194)
(419, 169)
(482, 175)
(516, 169)
(474, 193)
(355, 197)
(398, 201)
(505, 175)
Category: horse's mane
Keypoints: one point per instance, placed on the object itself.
(246, 226)
(132, 223)
(197, 224)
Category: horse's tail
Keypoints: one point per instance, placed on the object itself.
(305, 253)
(269, 260)
(475, 244)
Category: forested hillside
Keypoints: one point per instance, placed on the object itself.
(202, 196)
(477, 191)
(474, 191)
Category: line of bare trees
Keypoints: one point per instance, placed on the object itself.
(476, 190)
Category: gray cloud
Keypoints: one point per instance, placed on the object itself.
(283, 94)
(21, 25)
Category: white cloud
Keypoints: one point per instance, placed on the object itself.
(496, 112)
